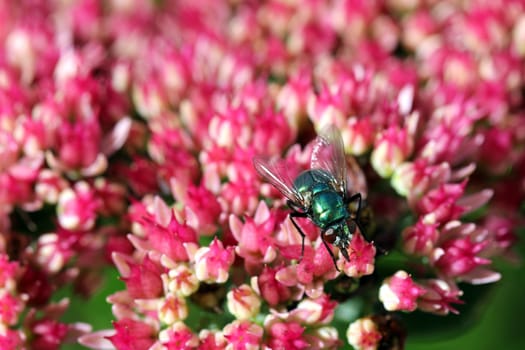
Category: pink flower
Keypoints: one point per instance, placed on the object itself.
(210, 340)
(363, 334)
(8, 273)
(400, 292)
(361, 254)
(358, 135)
(142, 279)
(439, 297)
(459, 256)
(10, 308)
(55, 250)
(201, 208)
(48, 334)
(271, 290)
(212, 264)
(77, 207)
(131, 334)
(318, 311)
(441, 202)
(421, 238)
(414, 179)
(243, 335)
(391, 149)
(78, 148)
(239, 197)
(286, 336)
(11, 339)
(314, 269)
(168, 236)
(255, 237)
(49, 185)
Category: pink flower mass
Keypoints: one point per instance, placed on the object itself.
(128, 133)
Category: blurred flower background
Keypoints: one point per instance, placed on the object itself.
(132, 217)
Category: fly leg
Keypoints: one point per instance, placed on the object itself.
(357, 197)
(323, 238)
(297, 214)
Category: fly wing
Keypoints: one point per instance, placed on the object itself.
(328, 154)
(276, 173)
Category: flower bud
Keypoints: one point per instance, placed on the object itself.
(363, 334)
(172, 309)
(243, 303)
(390, 150)
(400, 292)
(213, 263)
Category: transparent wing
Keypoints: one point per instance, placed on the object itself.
(328, 154)
(276, 172)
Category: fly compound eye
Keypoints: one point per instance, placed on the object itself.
(330, 236)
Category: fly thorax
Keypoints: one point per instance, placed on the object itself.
(328, 208)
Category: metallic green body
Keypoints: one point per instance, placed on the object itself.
(327, 206)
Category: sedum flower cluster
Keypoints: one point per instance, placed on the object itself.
(127, 134)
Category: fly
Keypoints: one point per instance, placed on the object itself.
(319, 193)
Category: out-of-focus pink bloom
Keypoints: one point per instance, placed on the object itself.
(418, 27)
(439, 297)
(446, 138)
(459, 256)
(112, 197)
(414, 179)
(48, 334)
(497, 141)
(327, 108)
(11, 339)
(421, 238)
(240, 197)
(142, 279)
(8, 273)
(441, 202)
(270, 289)
(361, 254)
(293, 97)
(243, 302)
(77, 207)
(400, 292)
(201, 208)
(150, 98)
(210, 340)
(358, 135)
(36, 285)
(286, 335)
(10, 308)
(78, 148)
(132, 334)
(363, 334)
(319, 311)
(212, 264)
(323, 338)
(54, 251)
(391, 149)
(49, 185)
(243, 335)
